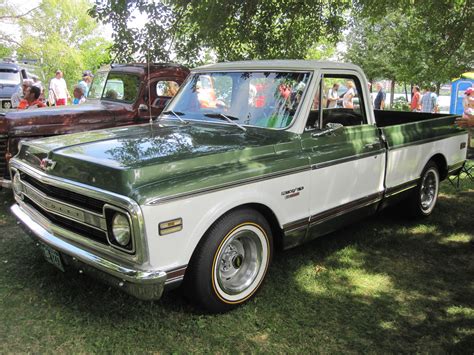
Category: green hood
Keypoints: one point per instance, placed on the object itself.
(165, 158)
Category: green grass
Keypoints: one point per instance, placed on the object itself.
(385, 284)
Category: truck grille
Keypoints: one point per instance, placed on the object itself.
(74, 212)
(82, 201)
(3, 162)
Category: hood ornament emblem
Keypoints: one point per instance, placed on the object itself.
(47, 164)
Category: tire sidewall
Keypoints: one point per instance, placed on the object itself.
(431, 168)
(202, 278)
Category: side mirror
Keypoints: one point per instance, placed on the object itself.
(330, 128)
(142, 108)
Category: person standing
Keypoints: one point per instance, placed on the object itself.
(333, 96)
(86, 81)
(379, 102)
(58, 90)
(429, 101)
(348, 97)
(415, 104)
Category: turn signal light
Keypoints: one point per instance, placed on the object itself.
(172, 226)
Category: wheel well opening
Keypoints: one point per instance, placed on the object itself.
(442, 164)
(277, 232)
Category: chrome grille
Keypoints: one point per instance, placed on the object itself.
(74, 212)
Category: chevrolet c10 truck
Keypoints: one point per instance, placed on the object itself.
(124, 95)
(247, 157)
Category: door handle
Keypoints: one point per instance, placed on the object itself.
(372, 145)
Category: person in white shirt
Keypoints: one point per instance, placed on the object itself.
(58, 93)
(349, 95)
(333, 96)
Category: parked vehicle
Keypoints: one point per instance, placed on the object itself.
(129, 96)
(11, 76)
(203, 195)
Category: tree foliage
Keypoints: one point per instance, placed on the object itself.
(412, 41)
(59, 34)
(232, 29)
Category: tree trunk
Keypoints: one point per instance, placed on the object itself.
(406, 93)
(392, 92)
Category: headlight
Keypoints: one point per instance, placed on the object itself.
(121, 229)
(17, 185)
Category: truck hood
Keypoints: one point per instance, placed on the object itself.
(54, 120)
(134, 159)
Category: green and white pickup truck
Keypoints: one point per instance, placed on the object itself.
(247, 157)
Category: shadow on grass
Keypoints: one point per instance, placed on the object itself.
(384, 284)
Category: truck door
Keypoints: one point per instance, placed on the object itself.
(346, 154)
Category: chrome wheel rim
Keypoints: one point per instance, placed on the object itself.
(241, 263)
(429, 190)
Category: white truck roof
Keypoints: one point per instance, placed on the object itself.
(278, 64)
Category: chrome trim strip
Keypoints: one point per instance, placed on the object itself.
(425, 141)
(155, 201)
(56, 207)
(175, 275)
(296, 225)
(109, 197)
(346, 208)
(346, 159)
(332, 213)
(453, 168)
(390, 191)
(126, 273)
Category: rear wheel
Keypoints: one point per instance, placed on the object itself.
(231, 261)
(424, 199)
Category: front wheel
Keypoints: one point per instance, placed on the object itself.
(424, 199)
(231, 262)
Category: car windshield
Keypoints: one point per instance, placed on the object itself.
(97, 85)
(9, 76)
(263, 99)
(121, 87)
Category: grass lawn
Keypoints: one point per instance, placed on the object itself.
(386, 284)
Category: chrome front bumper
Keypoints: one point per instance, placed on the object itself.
(145, 285)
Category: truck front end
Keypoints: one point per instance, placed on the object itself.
(88, 229)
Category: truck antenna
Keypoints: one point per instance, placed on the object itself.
(149, 89)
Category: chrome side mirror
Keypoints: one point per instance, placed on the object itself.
(142, 107)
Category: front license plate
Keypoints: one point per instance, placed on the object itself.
(53, 257)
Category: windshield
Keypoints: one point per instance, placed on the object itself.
(97, 85)
(263, 99)
(121, 87)
(9, 76)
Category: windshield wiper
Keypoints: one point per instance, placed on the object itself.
(229, 119)
(176, 114)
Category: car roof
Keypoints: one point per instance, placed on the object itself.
(278, 64)
(6, 65)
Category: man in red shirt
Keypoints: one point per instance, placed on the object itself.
(415, 105)
(31, 99)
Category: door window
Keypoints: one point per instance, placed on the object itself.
(337, 100)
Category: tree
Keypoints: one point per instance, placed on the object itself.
(59, 35)
(424, 41)
(232, 29)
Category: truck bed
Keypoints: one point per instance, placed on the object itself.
(392, 118)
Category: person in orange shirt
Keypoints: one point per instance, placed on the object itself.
(415, 105)
(31, 99)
